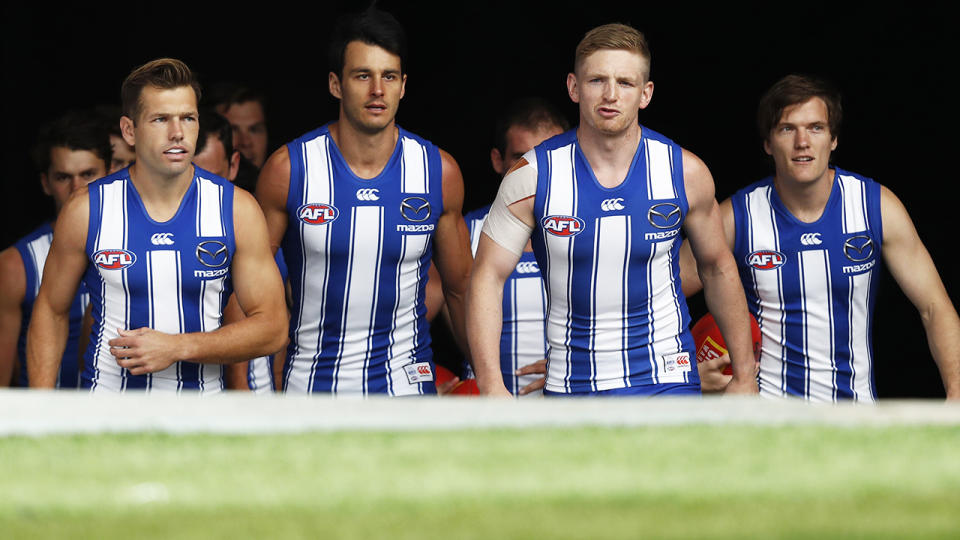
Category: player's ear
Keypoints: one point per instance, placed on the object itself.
(127, 131)
(403, 85)
(496, 160)
(646, 94)
(45, 183)
(833, 144)
(234, 166)
(766, 146)
(333, 82)
(572, 87)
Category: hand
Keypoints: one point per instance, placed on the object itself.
(538, 367)
(738, 386)
(144, 350)
(446, 387)
(712, 378)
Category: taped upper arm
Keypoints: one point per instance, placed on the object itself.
(510, 221)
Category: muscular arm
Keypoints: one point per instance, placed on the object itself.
(13, 287)
(689, 274)
(63, 270)
(259, 292)
(913, 269)
(717, 271)
(452, 249)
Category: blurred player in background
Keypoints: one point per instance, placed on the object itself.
(158, 245)
(360, 206)
(71, 152)
(605, 204)
(809, 241)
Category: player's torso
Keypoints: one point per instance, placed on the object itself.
(617, 317)
(812, 288)
(358, 251)
(522, 338)
(34, 249)
(173, 276)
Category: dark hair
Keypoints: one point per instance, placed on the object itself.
(228, 93)
(529, 113)
(793, 90)
(111, 118)
(213, 123)
(163, 73)
(373, 27)
(75, 130)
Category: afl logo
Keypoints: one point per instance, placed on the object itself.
(317, 214)
(664, 215)
(766, 260)
(562, 225)
(114, 259)
(858, 248)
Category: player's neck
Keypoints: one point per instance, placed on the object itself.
(609, 155)
(805, 200)
(365, 153)
(161, 195)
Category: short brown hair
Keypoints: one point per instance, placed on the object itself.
(612, 36)
(162, 73)
(793, 90)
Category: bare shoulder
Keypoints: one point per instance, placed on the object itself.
(451, 169)
(274, 179)
(452, 183)
(244, 203)
(897, 223)
(697, 180)
(13, 276)
(73, 219)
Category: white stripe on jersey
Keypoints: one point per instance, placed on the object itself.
(561, 201)
(860, 336)
(259, 375)
(413, 169)
(318, 188)
(165, 298)
(854, 205)
(659, 171)
(39, 249)
(111, 233)
(403, 335)
(665, 326)
(762, 231)
(609, 314)
(818, 338)
(360, 300)
(209, 205)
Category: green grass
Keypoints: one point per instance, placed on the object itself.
(700, 481)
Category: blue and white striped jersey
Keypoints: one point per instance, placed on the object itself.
(33, 250)
(358, 251)
(616, 315)
(812, 288)
(522, 339)
(260, 369)
(173, 277)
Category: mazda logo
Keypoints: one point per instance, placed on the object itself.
(858, 248)
(212, 253)
(415, 209)
(664, 215)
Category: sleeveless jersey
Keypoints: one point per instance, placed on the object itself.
(616, 316)
(812, 287)
(358, 252)
(33, 250)
(173, 277)
(260, 369)
(522, 339)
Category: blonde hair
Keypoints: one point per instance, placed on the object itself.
(612, 36)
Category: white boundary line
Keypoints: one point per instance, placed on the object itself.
(31, 412)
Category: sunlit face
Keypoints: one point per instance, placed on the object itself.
(249, 130)
(801, 142)
(165, 134)
(611, 87)
(371, 87)
(520, 140)
(69, 170)
(214, 158)
(123, 154)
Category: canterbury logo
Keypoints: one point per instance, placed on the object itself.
(527, 267)
(811, 239)
(368, 194)
(162, 239)
(611, 204)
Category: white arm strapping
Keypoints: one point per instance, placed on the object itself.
(504, 228)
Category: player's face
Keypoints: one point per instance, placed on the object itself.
(70, 170)
(520, 140)
(801, 142)
(249, 130)
(123, 154)
(165, 134)
(371, 87)
(610, 86)
(214, 159)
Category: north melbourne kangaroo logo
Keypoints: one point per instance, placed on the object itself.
(612, 204)
(368, 194)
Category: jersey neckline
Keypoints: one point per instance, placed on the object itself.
(779, 205)
(183, 199)
(639, 156)
(379, 178)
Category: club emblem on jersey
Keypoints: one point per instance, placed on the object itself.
(664, 215)
(114, 259)
(562, 225)
(212, 253)
(766, 260)
(858, 248)
(317, 214)
(527, 267)
(415, 209)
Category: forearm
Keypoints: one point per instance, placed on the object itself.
(46, 341)
(724, 297)
(256, 335)
(943, 336)
(484, 323)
